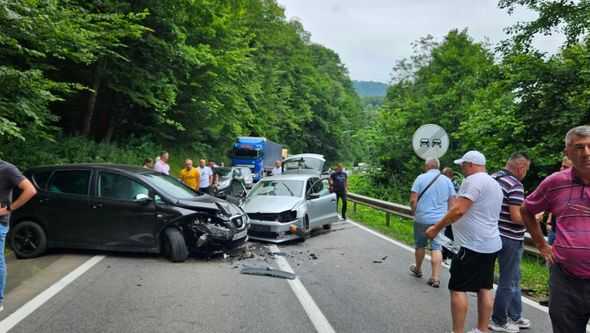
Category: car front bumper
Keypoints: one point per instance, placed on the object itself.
(275, 232)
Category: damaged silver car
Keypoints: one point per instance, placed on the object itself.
(289, 206)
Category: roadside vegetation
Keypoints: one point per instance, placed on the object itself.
(535, 275)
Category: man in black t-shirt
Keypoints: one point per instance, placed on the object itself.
(10, 178)
(339, 185)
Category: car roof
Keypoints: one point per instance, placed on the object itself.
(311, 155)
(295, 176)
(130, 169)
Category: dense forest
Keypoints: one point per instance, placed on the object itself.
(113, 80)
(497, 99)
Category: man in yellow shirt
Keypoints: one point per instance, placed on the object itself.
(190, 176)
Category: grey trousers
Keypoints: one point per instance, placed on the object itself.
(569, 302)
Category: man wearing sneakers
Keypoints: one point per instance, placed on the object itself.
(507, 314)
(475, 214)
(430, 198)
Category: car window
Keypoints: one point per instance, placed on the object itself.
(118, 187)
(321, 187)
(70, 181)
(41, 178)
(285, 188)
(171, 186)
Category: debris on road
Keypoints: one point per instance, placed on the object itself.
(281, 254)
(313, 256)
(267, 271)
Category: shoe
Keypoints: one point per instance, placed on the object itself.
(433, 283)
(475, 330)
(521, 323)
(415, 272)
(508, 327)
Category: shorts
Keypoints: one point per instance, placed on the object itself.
(472, 271)
(422, 240)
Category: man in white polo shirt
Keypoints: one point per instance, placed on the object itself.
(474, 216)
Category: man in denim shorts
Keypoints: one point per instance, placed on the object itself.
(431, 197)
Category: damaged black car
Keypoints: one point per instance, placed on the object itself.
(122, 208)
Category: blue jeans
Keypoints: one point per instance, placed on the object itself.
(3, 232)
(508, 296)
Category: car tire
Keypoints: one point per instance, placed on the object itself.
(28, 240)
(173, 245)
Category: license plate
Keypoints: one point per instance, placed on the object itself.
(240, 234)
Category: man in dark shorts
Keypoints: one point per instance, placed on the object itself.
(566, 195)
(10, 178)
(474, 215)
(339, 185)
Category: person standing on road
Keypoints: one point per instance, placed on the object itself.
(162, 163)
(566, 195)
(507, 313)
(206, 179)
(475, 213)
(446, 253)
(10, 178)
(431, 196)
(339, 184)
(190, 175)
(277, 170)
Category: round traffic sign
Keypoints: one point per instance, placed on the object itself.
(430, 141)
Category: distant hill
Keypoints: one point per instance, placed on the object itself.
(370, 88)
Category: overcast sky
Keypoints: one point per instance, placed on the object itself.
(371, 35)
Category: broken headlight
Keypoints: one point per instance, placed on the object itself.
(288, 216)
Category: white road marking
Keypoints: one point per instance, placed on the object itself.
(32, 305)
(314, 313)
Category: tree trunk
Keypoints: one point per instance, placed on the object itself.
(110, 130)
(87, 120)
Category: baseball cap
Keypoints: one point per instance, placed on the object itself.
(472, 156)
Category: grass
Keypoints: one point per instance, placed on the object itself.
(534, 273)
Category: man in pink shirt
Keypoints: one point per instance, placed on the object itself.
(566, 195)
(162, 164)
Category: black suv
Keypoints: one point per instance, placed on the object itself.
(121, 208)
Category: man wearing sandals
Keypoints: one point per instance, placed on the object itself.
(507, 315)
(474, 215)
(431, 197)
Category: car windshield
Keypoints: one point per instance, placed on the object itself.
(278, 188)
(303, 164)
(245, 171)
(171, 186)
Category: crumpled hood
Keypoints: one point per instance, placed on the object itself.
(270, 204)
(210, 203)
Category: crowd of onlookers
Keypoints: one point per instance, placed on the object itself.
(488, 215)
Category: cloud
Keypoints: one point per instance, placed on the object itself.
(370, 36)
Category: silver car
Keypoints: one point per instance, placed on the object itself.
(289, 206)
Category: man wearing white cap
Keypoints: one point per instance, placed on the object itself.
(474, 216)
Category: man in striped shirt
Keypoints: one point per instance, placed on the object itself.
(566, 194)
(507, 315)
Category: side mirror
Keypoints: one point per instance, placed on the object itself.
(312, 196)
(143, 199)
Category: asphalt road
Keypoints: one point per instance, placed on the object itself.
(343, 272)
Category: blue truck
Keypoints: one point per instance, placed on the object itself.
(258, 154)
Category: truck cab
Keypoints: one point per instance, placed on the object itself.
(256, 153)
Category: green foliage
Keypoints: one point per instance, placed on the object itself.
(370, 88)
(191, 75)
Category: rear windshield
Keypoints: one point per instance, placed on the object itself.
(278, 188)
(171, 186)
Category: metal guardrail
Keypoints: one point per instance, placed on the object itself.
(390, 208)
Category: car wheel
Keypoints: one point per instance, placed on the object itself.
(28, 240)
(174, 246)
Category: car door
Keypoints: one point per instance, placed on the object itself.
(323, 202)
(66, 207)
(313, 207)
(124, 212)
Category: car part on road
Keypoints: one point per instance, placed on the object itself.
(28, 240)
(174, 245)
(267, 271)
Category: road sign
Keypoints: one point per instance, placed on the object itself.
(430, 141)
